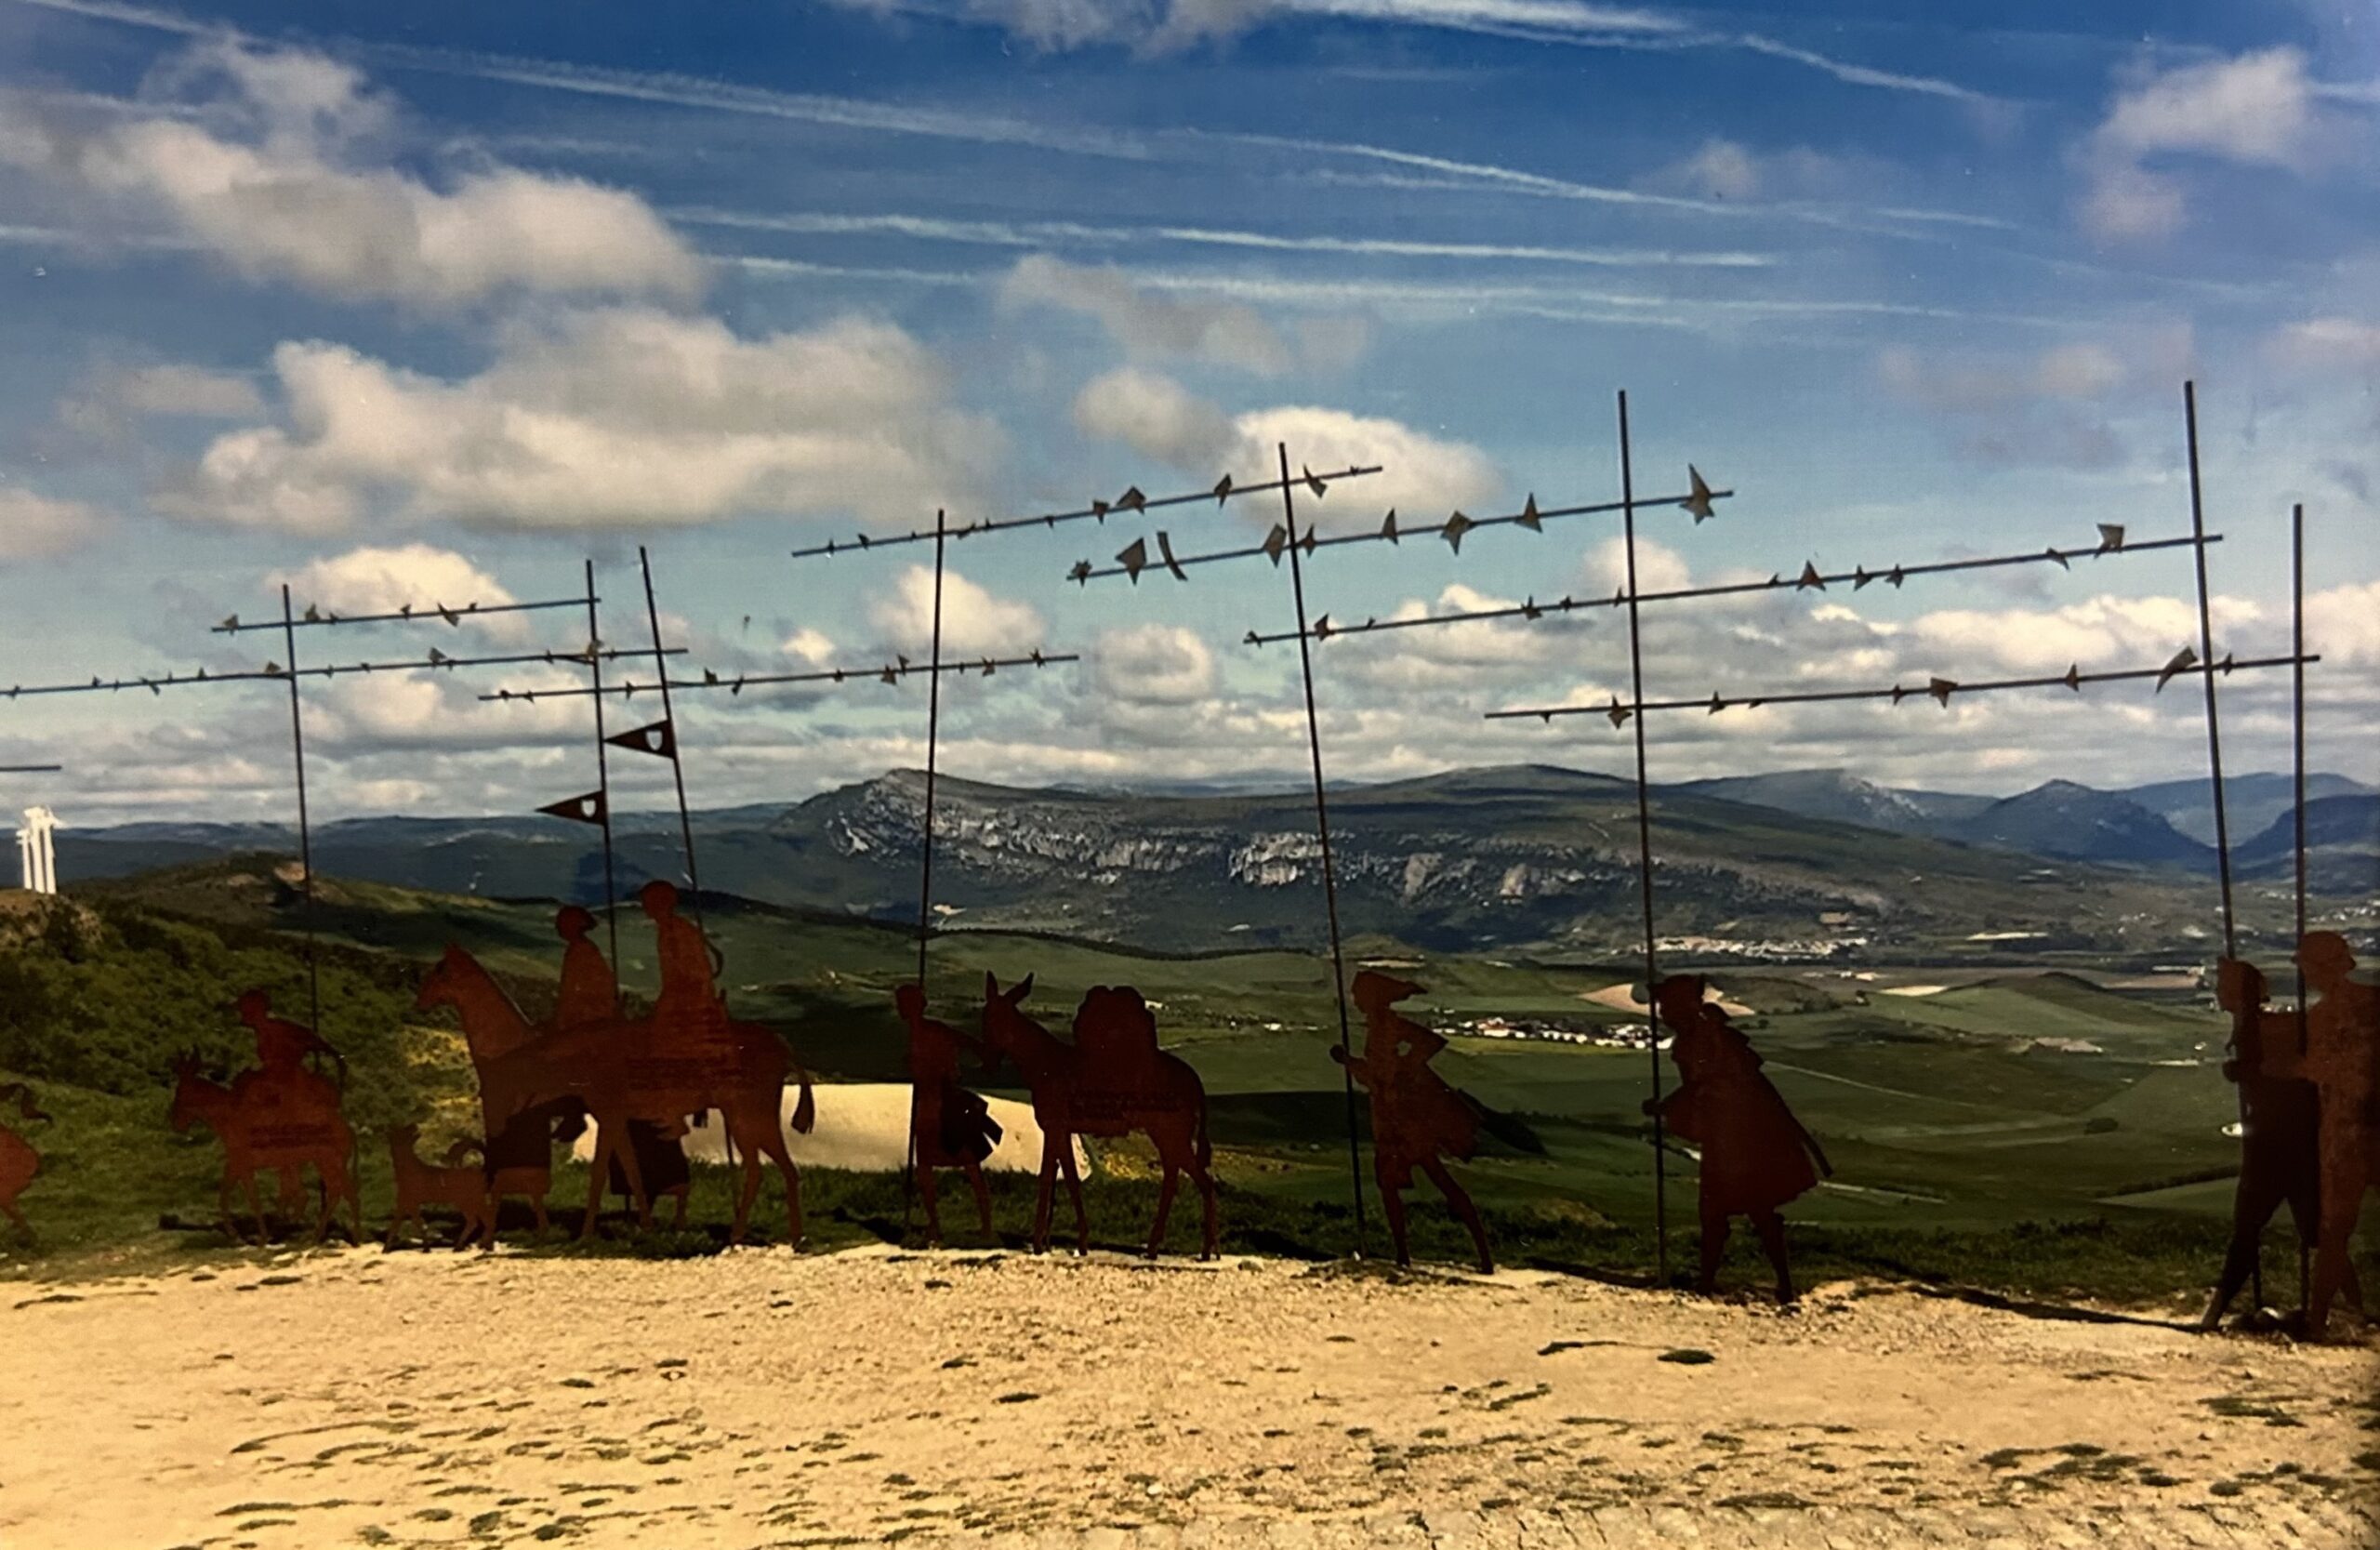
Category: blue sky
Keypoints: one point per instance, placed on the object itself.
(443, 300)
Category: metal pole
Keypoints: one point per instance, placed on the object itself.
(603, 785)
(1644, 852)
(2297, 773)
(2214, 744)
(304, 830)
(1322, 830)
(925, 856)
(676, 768)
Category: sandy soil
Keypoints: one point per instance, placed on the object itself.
(762, 1397)
(866, 1126)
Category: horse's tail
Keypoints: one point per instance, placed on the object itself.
(806, 1108)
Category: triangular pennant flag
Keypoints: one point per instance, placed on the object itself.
(587, 809)
(1134, 559)
(1529, 515)
(2074, 676)
(1131, 500)
(1700, 501)
(1275, 542)
(1810, 577)
(1388, 525)
(1165, 548)
(2110, 537)
(2183, 660)
(659, 738)
(1455, 527)
(1940, 688)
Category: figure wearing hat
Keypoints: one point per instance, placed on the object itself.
(590, 996)
(281, 1077)
(949, 1127)
(2342, 1052)
(689, 1018)
(1418, 1121)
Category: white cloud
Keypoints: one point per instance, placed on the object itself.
(382, 581)
(614, 417)
(975, 622)
(812, 648)
(2046, 407)
(1155, 416)
(181, 389)
(2255, 110)
(2327, 342)
(277, 185)
(37, 528)
(1658, 567)
(1422, 476)
(2343, 625)
(1154, 323)
(1719, 169)
(1154, 664)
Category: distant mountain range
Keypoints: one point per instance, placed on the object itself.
(1528, 855)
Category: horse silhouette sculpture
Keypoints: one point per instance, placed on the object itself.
(19, 1161)
(461, 1189)
(1417, 1119)
(2280, 1159)
(1112, 1080)
(615, 1072)
(1756, 1157)
(2342, 1049)
(263, 1131)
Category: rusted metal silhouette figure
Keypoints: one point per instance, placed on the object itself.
(519, 1160)
(1111, 1081)
(689, 1016)
(2279, 1142)
(949, 1127)
(261, 1133)
(18, 1161)
(420, 1184)
(612, 1070)
(1418, 1121)
(588, 995)
(1756, 1157)
(2342, 1048)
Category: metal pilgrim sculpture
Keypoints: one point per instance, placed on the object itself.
(281, 1116)
(950, 1127)
(19, 1161)
(686, 1057)
(1112, 1080)
(1418, 1121)
(1756, 1157)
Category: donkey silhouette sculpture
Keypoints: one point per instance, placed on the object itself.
(2280, 1159)
(261, 1133)
(949, 1127)
(610, 1068)
(19, 1161)
(1111, 1081)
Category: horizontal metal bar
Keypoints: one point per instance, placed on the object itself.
(1132, 502)
(1809, 580)
(891, 672)
(412, 613)
(275, 672)
(30, 769)
(1454, 529)
(1941, 689)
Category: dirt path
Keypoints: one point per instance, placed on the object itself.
(763, 1399)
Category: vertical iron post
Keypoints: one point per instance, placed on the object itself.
(603, 785)
(925, 853)
(1644, 850)
(677, 767)
(1322, 830)
(305, 828)
(2297, 807)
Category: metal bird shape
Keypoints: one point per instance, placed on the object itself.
(1223, 489)
(312, 614)
(1388, 525)
(449, 614)
(1810, 577)
(1528, 514)
(404, 611)
(1717, 704)
(1132, 500)
(892, 677)
(2074, 676)
(2057, 554)
(1316, 485)
(1165, 550)
(1618, 712)
(709, 676)
(436, 657)
(2183, 661)
(1941, 689)
(1134, 558)
(1699, 501)
(1455, 527)
(1859, 578)
(1080, 574)
(1322, 628)
(1275, 542)
(231, 622)
(2110, 537)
